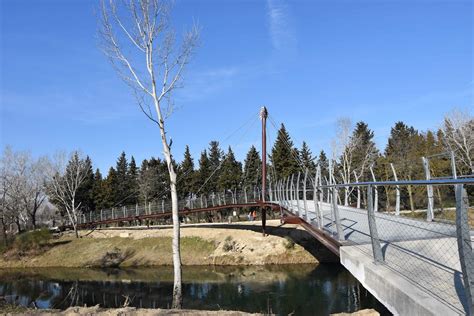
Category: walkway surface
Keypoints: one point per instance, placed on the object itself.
(424, 253)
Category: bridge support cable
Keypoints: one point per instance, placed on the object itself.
(374, 236)
(465, 245)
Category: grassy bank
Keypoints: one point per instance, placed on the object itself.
(131, 248)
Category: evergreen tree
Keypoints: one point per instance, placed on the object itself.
(154, 180)
(132, 179)
(307, 159)
(230, 173)
(99, 191)
(324, 165)
(252, 169)
(403, 151)
(365, 153)
(84, 194)
(186, 175)
(122, 184)
(215, 158)
(110, 192)
(284, 155)
(203, 174)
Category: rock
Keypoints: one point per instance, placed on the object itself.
(124, 235)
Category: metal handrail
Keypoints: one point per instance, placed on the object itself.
(450, 181)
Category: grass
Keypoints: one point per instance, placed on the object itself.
(447, 215)
(89, 252)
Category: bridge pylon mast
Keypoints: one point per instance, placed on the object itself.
(263, 116)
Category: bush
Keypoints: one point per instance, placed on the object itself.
(32, 240)
(289, 243)
(229, 244)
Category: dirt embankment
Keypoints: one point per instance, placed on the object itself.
(214, 244)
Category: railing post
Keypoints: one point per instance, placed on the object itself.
(101, 215)
(245, 194)
(429, 190)
(358, 190)
(113, 213)
(453, 165)
(292, 191)
(374, 236)
(298, 194)
(136, 209)
(463, 235)
(287, 192)
(397, 201)
(270, 191)
(340, 233)
(124, 211)
(305, 204)
(162, 206)
(327, 190)
(315, 200)
(376, 197)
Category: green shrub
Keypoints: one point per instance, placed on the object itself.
(289, 243)
(32, 240)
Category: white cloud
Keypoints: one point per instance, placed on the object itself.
(280, 28)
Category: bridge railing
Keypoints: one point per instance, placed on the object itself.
(156, 207)
(436, 255)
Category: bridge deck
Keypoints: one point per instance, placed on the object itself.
(424, 253)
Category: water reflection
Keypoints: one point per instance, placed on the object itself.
(299, 289)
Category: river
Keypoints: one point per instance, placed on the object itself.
(300, 289)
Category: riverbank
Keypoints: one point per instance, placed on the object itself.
(239, 243)
(131, 311)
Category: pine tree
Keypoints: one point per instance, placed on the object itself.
(307, 159)
(284, 155)
(85, 192)
(324, 165)
(122, 184)
(99, 191)
(203, 174)
(403, 151)
(365, 153)
(132, 180)
(186, 175)
(231, 173)
(215, 158)
(252, 169)
(110, 192)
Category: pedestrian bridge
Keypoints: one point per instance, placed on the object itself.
(412, 266)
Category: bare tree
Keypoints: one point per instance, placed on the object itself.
(64, 182)
(353, 155)
(138, 39)
(34, 193)
(458, 132)
(344, 147)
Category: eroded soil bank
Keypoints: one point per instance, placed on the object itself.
(239, 243)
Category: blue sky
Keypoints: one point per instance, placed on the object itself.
(309, 62)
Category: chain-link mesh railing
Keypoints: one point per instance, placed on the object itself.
(434, 254)
(153, 209)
